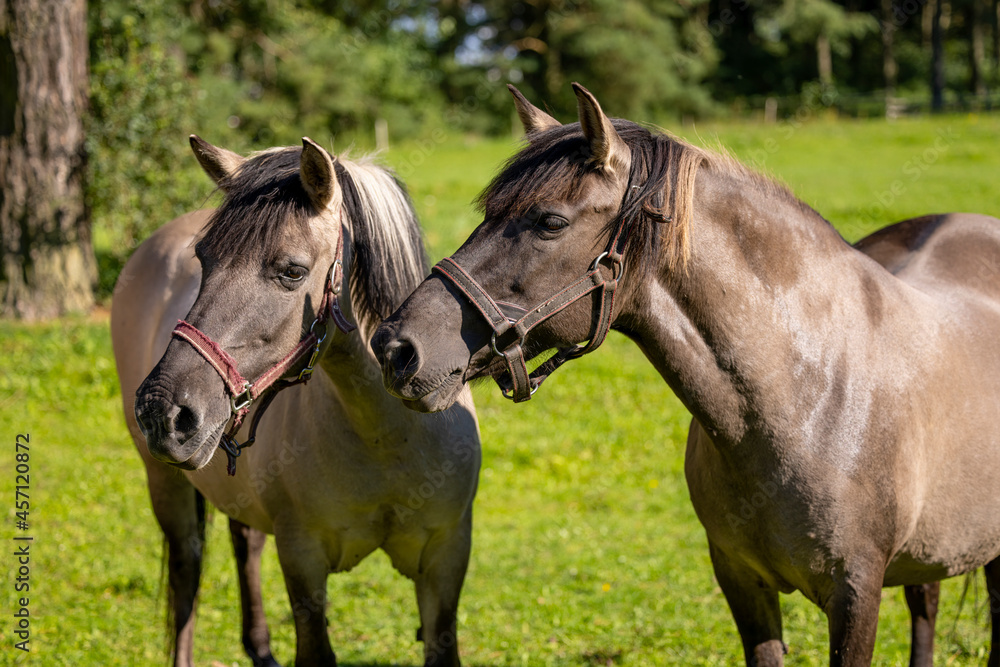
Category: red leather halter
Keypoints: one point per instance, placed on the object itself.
(504, 317)
(242, 392)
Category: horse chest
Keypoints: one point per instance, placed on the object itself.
(786, 521)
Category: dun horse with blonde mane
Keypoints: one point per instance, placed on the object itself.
(338, 468)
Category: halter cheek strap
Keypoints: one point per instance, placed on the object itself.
(523, 384)
(243, 393)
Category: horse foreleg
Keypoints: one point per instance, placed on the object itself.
(248, 543)
(755, 609)
(443, 564)
(852, 614)
(923, 603)
(180, 511)
(992, 570)
(305, 566)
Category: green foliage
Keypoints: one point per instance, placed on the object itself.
(801, 22)
(586, 548)
(651, 57)
(142, 108)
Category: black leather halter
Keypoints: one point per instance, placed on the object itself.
(505, 318)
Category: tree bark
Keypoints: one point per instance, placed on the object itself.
(47, 265)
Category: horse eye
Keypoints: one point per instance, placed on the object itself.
(552, 223)
(294, 273)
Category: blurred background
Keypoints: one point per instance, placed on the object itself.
(143, 74)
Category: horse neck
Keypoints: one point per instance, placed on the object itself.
(349, 362)
(766, 301)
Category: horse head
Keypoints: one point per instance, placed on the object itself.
(543, 271)
(269, 257)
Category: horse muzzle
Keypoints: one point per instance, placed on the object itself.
(174, 433)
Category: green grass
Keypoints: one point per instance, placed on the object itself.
(586, 549)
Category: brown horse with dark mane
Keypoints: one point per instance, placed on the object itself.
(855, 388)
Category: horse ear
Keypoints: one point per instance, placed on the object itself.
(533, 118)
(607, 150)
(217, 162)
(317, 174)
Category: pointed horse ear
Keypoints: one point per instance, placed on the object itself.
(217, 162)
(318, 176)
(533, 118)
(607, 150)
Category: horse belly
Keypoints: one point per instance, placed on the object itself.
(957, 528)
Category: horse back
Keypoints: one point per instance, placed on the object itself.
(953, 255)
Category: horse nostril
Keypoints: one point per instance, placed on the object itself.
(186, 421)
(158, 420)
(401, 355)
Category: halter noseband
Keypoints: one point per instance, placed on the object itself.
(243, 393)
(504, 317)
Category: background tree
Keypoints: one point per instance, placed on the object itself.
(47, 266)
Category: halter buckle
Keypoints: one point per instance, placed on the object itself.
(242, 400)
(306, 372)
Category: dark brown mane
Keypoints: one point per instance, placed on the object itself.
(262, 198)
(660, 186)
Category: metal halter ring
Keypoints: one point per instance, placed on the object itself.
(617, 269)
(493, 340)
(509, 393)
(598, 260)
(334, 288)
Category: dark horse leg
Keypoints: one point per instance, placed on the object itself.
(180, 511)
(755, 609)
(852, 612)
(305, 567)
(248, 543)
(992, 570)
(923, 603)
(444, 562)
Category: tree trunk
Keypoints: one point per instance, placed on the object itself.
(889, 68)
(47, 264)
(977, 48)
(996, 42)
(937, 59)
(553, 61)
(824, 59)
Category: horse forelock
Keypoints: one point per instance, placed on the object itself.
(263, 197)
(388, 251)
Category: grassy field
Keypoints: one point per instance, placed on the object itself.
(586, 550)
